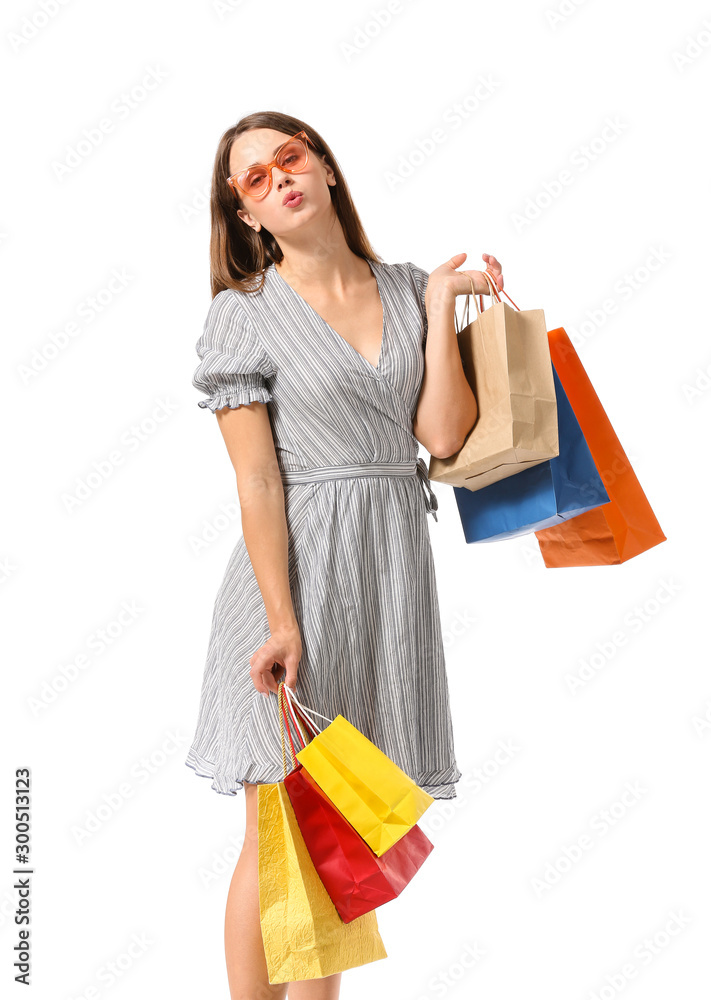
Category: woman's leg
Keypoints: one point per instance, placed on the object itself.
(244, 947)
(327, 988)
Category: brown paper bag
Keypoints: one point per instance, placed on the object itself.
(506, 359)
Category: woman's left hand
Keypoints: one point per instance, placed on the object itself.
(446, 282)
(493, 265)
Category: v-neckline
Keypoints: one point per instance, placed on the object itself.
(374, 368)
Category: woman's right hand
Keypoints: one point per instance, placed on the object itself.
(281, 651)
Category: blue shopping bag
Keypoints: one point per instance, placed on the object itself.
(540, 496)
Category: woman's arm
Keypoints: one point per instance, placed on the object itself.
(447, 408)
(248, 436)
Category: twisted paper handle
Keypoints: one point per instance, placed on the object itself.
(304, 712)
(292, 718)
(495, 298)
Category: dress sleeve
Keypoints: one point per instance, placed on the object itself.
(233, 365)
(420, 278)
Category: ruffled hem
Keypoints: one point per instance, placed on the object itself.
(441, 784)
(431, 782)
(236, 397)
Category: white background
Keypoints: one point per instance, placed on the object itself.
(157, 866)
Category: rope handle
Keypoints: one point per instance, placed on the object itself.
(286, 721)
(298, 716)
(495, 299)
(303, 710)
(489, 275)
(281, 730)
(305, 728)
(290, 719)
(493, 291)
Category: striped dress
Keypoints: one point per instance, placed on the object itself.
(356, 499)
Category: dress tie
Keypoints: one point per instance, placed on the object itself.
(431, 502)
(405, 468)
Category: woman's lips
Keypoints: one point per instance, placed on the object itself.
(294, 200)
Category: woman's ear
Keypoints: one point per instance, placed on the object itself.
(249, 220)
(330, 173)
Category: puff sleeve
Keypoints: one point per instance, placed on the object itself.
(420, 278)
(234, 367)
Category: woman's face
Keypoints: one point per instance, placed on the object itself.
(258, 146)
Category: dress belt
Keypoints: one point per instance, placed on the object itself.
(325, 472)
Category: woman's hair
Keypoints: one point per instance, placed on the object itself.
(238, 254)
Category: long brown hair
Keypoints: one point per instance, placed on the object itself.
(239, 255)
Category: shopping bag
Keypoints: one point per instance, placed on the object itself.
(548, 493)
(303, 934)
(624, 527)
(506, 360)
(356, 879)
(376, 796)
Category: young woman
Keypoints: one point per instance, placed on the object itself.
(325, 367)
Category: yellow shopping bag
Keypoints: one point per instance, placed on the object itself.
(376, 796)
(303, 933)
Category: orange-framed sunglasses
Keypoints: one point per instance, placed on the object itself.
(256, 181)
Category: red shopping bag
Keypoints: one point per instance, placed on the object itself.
(622, 528)
(356, 879)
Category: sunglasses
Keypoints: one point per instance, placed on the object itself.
(256, 181)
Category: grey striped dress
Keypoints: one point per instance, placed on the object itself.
(356, 499)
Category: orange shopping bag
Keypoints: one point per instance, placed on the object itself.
(618, 530)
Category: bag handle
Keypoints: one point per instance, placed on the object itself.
(303, 710)
(296, 720)
(300, 723)
(286, 716)
(298, 715)
(489, 275)
(281, 730)
(495, 299)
